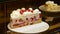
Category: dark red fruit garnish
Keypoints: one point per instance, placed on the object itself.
(16, 20)
(26, 18)
(21, 12)
(32, 18)
(30, 10)
(40, 15)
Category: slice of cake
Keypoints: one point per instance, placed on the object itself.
(23, 17)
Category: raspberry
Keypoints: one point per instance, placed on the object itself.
(22, 11)
(30, 11)
(16, 20)
(32, 18)
(26, 18)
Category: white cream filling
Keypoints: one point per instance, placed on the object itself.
(27, 14)
(15, 14)
(36, 12)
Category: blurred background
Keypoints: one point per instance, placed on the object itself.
(7, 6)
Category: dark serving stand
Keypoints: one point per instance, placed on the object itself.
(55, 19)
(50, 16)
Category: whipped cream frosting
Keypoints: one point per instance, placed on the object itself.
(27, 14)
(50, 2)
(36, 12)
(16, 14)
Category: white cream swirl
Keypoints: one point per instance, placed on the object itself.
(36, 12)
(27, 14)
(16, 14)
(50, 2)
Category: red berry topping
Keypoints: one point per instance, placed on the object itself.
(21, 12)
(16, 20)
(26, 18)
(30, 11)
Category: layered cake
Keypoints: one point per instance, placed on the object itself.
(23, 17)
